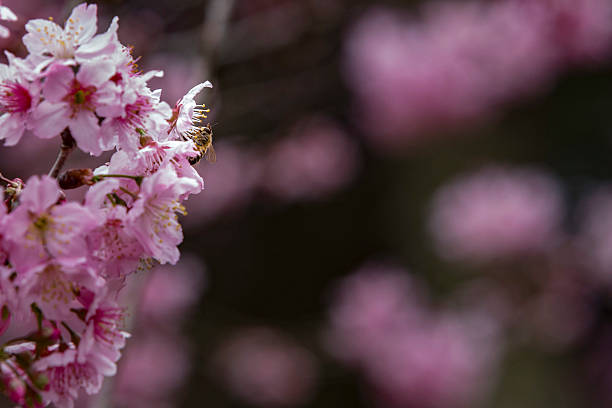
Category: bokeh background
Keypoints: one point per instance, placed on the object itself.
(411, 205)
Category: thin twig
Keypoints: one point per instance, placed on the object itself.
(68, 145)
(216, 21)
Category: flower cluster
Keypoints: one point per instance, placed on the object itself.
(498, 212)
(62, 263)
(383, 323)
(461, 61)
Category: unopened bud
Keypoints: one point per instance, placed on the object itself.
(75, 178)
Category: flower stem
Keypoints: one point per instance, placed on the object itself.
(99, 177)
(68, 145)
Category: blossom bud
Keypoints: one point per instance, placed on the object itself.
(75, 178)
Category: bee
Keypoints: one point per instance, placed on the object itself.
(202, 138)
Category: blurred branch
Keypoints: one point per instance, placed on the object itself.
(282, 94)
(215, 25)
(273, 28)
(265, 31)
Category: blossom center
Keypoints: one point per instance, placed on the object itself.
(55, 288)
(80, 97)
(164, 216)
(14, 98)
(42, 223)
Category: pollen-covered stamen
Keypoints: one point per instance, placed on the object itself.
(197, 118)
(42, 223)
(14, 98)
(153, 160)
(39, 228)
(106, 324)
(199, 113)
(133, 62)
(80, 97)
(64, 379)
(55, 287)
(44, 229)
(163, 216)
(61, 43)
(113, 244)
(135, 113)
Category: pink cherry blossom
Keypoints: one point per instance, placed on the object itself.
(18, 98)
(65, 260)
(54, 287)
(6, 14)
(139, 113)
(187, 113)
(40, 227)
(113, 247)
(67, 376)
(103, 335)
(71, 100)
(153, 217)
(175, 153)
(50, 42)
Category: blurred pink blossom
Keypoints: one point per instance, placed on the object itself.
(595, 234)
(412, 354)
(496, 212)
(264, 367)
(170, 291)
(368, 306)
(315, 160)
(582, 29)
(441, 364)
(229, 184)
(152, 369)
(461, 61)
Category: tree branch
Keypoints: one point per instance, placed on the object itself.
(68, 145)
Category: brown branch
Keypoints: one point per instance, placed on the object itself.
(68, 145)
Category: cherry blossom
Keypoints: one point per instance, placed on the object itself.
(41, 228)
(6, 14)
(63, 263)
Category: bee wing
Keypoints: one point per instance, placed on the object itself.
(210, 154)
